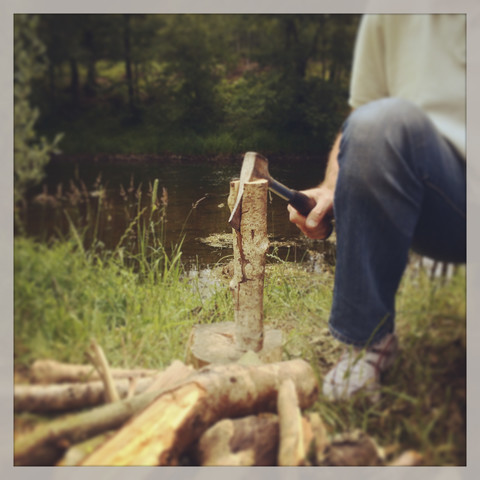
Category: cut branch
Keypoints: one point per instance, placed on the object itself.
(52, 371)
(97, 357)
(69, 396)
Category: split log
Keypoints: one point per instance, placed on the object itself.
(291, 451)
(52, 371)
(250, 246)
(76, 453)
(176, 419)
(247, 441)
(52, 439)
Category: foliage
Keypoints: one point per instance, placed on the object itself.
(31, 152)
(284, 77)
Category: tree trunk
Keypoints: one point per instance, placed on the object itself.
(128, 63)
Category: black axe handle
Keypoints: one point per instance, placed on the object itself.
(301, 202)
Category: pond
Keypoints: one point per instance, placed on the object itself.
(110, 189)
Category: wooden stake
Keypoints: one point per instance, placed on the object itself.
(250, 246)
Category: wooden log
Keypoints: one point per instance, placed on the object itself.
(354, 449)
(247, 441)
(177, 419)
(291, 450)
(72, 396)
(69, 396)
(250, 246)
(52, 439)
(410, 458)
(52, 371)
(315, 438)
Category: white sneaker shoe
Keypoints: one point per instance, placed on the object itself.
(359, 370)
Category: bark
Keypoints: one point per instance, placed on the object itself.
(177, 419)
(69, 396)
(51, 371)
(291, 451)
(97, 357)
(49, 441)
(250, 246)
(247, 441)
(355, 449)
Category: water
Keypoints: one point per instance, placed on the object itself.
(197, 202)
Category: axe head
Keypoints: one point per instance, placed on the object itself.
(254, 166)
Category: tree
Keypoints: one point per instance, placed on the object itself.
(30, 152)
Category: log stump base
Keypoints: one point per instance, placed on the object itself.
(215, 344)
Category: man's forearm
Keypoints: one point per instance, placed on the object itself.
(331, 171)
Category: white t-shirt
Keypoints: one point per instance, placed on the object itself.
(420, 58)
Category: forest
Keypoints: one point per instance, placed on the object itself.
(192, 84)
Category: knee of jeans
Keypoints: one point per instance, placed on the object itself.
(375, 136)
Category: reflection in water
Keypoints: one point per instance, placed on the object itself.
(197, 202)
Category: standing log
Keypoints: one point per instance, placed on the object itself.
(164, 430)
(226, 342)
(250, 246)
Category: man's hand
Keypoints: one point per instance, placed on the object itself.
(318, 224)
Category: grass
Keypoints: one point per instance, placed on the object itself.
(139, 304)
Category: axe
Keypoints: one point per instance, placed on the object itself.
(255, 166)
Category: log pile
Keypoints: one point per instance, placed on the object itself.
(245, 413)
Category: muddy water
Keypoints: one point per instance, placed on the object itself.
(196, 211)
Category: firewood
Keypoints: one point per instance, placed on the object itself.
(69, 396)
(250, 245)
(410, 458)
(247, 441)
(52, 371)
(177, 419)
(352, 449)
(315, 437)
(99, 360)
(49, 441)
(76, 453)
(291, 451)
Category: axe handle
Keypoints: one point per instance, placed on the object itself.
(301, 202)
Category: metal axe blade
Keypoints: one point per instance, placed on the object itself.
(255, 166)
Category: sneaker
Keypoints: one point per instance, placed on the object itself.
(359, 370)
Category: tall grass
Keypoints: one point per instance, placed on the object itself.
(423, 402)
(136, 300)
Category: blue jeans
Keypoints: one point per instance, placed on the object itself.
(400, 185)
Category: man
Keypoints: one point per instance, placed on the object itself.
(395, 180)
